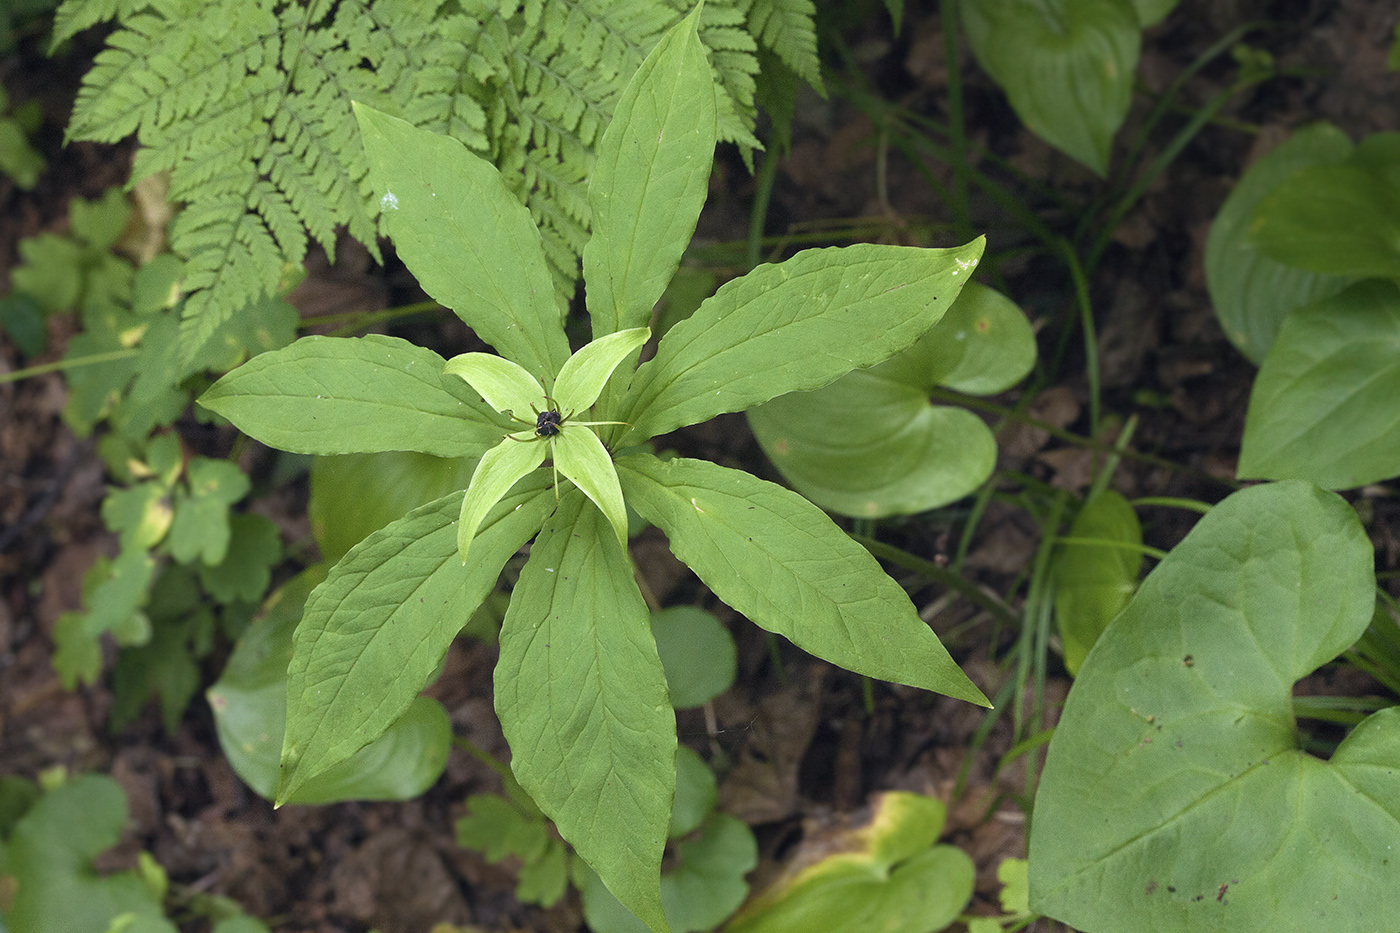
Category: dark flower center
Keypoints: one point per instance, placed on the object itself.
(547, 423)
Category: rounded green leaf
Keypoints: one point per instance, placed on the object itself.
(1175, 796)
(1252, 293)
(706, 885)
(1093, 582)
(696, 792)
(355, 495)
(500, 468)
(698, 653)
(249, 701)
(871, 445)
(1066, 66)
(1326, 404)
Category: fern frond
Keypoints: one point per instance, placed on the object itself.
(246, 103)
(785, 27)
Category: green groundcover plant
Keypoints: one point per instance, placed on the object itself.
(579, 687)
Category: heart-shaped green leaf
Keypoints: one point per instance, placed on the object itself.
(871, 445)
(887, 875)
(1252, 293)
(355, 495)
(1337, 219)
(1093, 582)
(1175, 796)
(46, 865)
(1325, 404)
(704, 886)
(1066, 65)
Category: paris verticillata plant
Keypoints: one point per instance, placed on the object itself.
(579, 688)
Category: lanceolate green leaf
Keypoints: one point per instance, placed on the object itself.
(377, 628)
(581, 457)
(1252, 293)
(780, 561)
(794, 326)
(470, 242)
(500, 468)
(338, 395)
(505, 386)
(1175, 796)
(1326, 404)
(1066, 65)
(581, 695)
(650, 181)
(582, 379)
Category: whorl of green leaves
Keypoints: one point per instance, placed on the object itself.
(247, 104)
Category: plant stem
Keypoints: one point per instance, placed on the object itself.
(64, 365)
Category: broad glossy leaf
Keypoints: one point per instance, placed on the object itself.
(581, 457)
(46, 864)
(780, 561)
(505, 386)
(650, 180)
(376, 630)
(357, 494)
(1093, 582)
(1338, 219)
(581, 695)
(871, 445)
(1252, 293)
(340, 395)
(1326, 404)
(794, 326)
(500, 468)
(698, 653)
(1066, 65)
(582, 379)
(249, 701)
(470, 242)
(1175, 796)
(886, 875)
